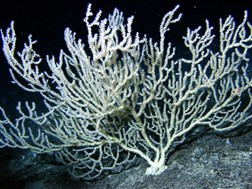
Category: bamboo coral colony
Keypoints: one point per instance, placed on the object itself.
(127, 96)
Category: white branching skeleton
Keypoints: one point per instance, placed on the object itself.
(125, 95)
